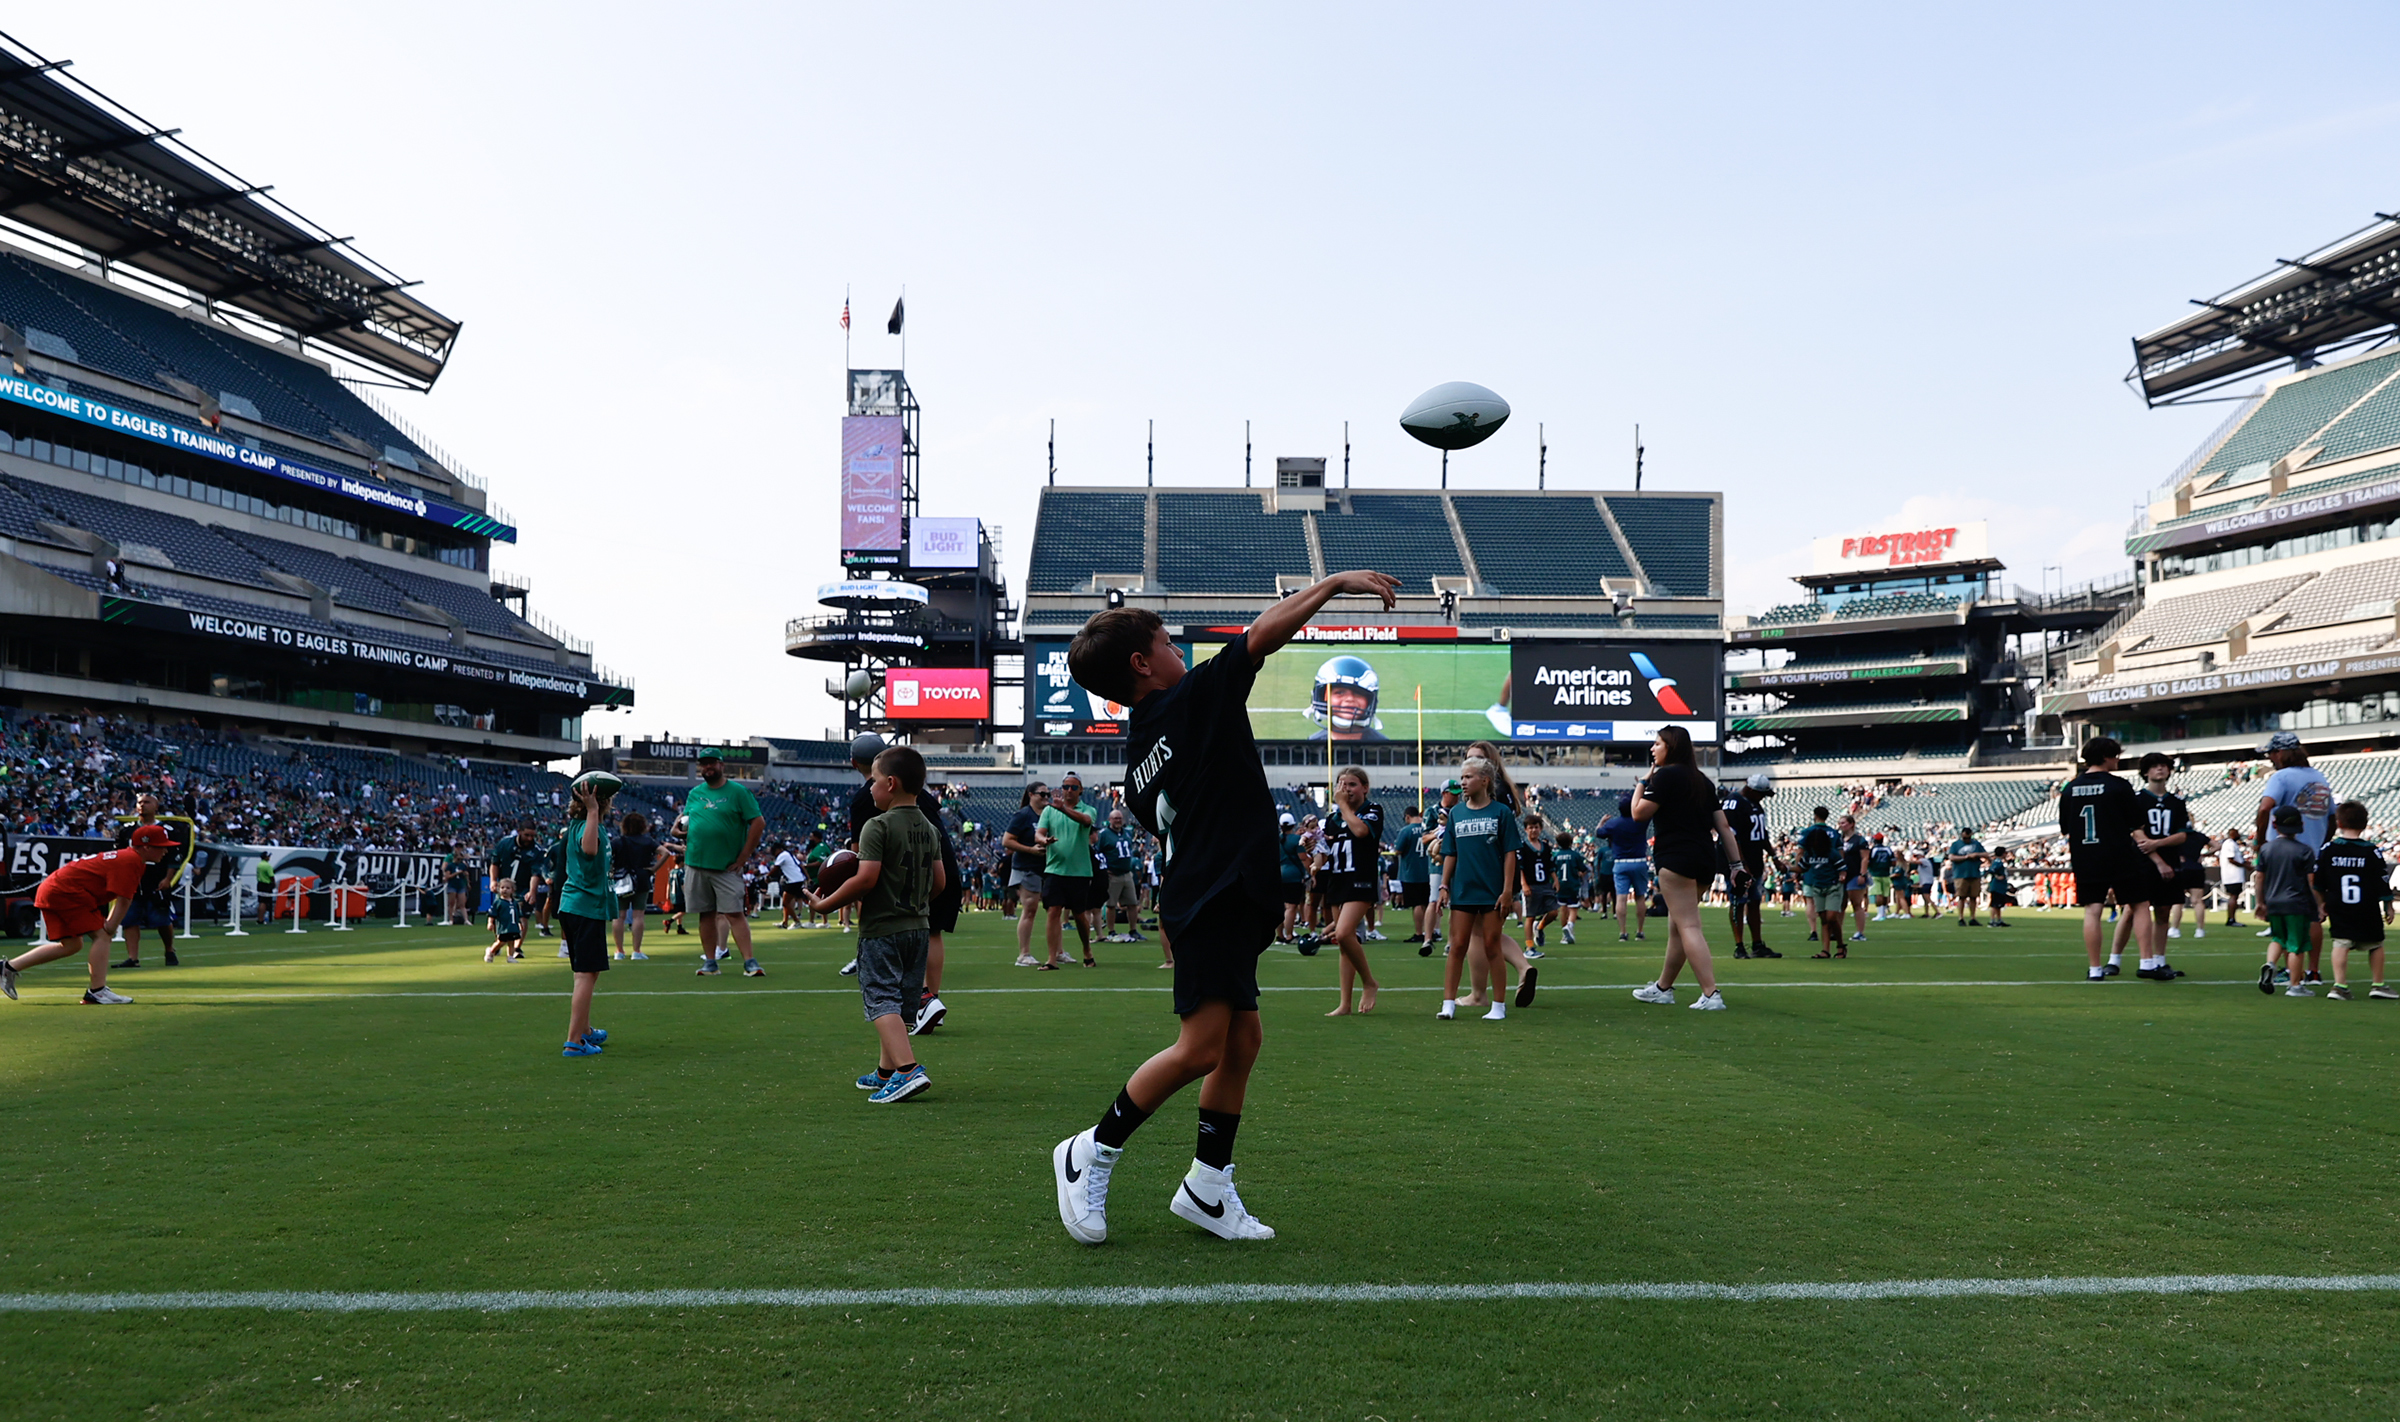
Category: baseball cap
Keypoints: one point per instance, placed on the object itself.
(1879, 836)
(707, 754)
(1763, 782)
(866, 747)
(146, 836)
(1285, 818)
(1453, 787)
(2281, 740)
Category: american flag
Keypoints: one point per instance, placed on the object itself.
(845, 313)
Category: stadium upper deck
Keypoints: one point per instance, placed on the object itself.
(1500, 559)
(198, 514)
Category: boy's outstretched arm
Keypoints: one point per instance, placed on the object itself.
(1282, 622)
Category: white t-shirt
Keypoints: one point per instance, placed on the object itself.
(2229, 863)
(792, 870)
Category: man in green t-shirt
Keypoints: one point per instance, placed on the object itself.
(1113, 847)
(1966, 876)
(1065, 835)
(721, 830)
(899, 874)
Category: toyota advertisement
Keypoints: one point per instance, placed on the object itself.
(937, 694)
(1612, 691)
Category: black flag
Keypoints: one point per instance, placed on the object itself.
(899, 316)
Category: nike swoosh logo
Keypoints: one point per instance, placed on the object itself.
(1073, 1174)
(1214, 1212)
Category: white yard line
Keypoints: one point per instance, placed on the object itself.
(1864, 1291)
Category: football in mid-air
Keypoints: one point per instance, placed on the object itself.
(836, 870)
(1454, 416)
(601, 783)
(860, 686)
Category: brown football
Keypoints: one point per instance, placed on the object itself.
(836, 870)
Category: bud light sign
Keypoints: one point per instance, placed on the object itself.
(937, 694)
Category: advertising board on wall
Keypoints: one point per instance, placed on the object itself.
(1885, 548)
(935, 543)
(871, 474)
(1608, 691)
(938, 693)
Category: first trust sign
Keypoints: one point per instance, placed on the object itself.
(1868, 553)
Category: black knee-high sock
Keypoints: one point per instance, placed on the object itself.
(1216, 1137)
(1119, 1122)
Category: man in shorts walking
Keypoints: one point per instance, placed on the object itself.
(1194, 780)
(722, 825)
(1821, 884)
(75, 904)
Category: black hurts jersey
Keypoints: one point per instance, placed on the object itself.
(1193, 778)
(1349, 853)
(2096, 815)
(2355, 881)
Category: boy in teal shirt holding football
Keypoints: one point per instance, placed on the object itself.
(587, 901)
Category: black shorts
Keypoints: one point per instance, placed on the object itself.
(1295, 891)
(586, 940)
(1413, 894)
(2133, 881)
(1348, 888)
(1700, 871)
(1072, 892)
(557, 887)
(1540, 903)
(942, 913)
(1216, 953)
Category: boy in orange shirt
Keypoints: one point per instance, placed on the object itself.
(75, 905)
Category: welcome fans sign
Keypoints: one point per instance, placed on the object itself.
(871, 473)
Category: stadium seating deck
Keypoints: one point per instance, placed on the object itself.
(1079, 533)
(1532, 546)
(124, 336)
(1405, 535)
(2352, 594)
(1225, 543)
(1895, 605)
(2294, 412)
(2201, 617)
(1790, 613)
(188, 546)
(350, 583)
(1975, 804)
(479, 611)
(2373, 425)
(1671, 538)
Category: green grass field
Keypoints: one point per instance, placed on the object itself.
(379, 1111)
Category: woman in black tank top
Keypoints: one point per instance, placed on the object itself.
(1680, 806)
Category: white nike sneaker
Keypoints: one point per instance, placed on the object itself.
(929, 1016)
(102, 997)
(1207, 1198)
(1082, 1166)
(562, 951)
(2174, 933)
(1652, 992)
(1499, 1013)
(1449, 1011)
(1709, 1002)
(2199, 933)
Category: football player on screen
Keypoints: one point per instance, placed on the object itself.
(1344, 701)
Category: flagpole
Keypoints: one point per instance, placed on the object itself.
(845, 332)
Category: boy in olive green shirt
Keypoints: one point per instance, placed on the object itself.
(899, 874)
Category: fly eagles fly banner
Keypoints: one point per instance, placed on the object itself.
(1591, 691)
(35, 395)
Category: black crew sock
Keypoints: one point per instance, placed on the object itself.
(903, 1069)
(1216, 1137)
(1119, 1122)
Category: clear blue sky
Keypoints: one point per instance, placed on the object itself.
(1844, 265)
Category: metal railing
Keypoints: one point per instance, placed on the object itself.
(367, 396)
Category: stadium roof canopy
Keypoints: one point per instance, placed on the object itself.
(2340, 295)
(79, 167)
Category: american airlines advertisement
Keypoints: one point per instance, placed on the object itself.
(1586, 691)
